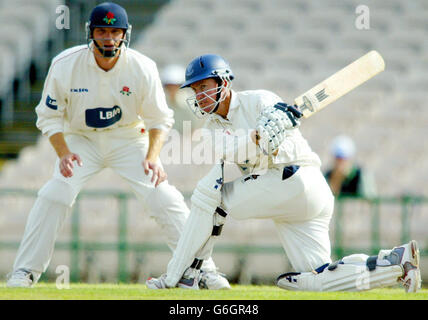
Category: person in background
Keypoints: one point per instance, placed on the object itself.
(346, 177)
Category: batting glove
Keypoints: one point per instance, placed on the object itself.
(272, 124)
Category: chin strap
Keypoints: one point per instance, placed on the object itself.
(108, 53)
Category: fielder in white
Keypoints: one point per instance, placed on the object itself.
(98, 104)
(291, 191)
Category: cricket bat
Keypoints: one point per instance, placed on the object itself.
(340, 83)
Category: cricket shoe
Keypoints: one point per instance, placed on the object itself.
(190, 279)
(20, 278)
(408, 256)
(157, 283)
(183, 283)
(288, 281)
(213, 281)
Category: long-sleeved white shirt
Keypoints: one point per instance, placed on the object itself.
(79, 96)
(244, 109)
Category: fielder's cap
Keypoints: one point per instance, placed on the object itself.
(173, 74)
(108, 15)
(343, 147)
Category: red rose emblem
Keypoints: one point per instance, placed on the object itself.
(126, 89)
(110, 15)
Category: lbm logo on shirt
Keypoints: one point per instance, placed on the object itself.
(102, 117)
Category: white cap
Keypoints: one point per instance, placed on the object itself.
(343, 147)
(173, 74)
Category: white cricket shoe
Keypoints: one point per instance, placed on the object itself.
(288, 281)
(157, 283)
(213, 281)
(183, 283)
(20, 278)
(409, 260)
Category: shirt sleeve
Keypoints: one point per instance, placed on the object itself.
(267, 99)
(51, 108)
(238, 147)
(155, 111)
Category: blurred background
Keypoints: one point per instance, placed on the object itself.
(372, 142)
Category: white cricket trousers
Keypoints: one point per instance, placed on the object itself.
(123, 150)
(301, 207)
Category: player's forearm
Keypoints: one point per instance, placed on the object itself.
(58, 143)
(156, 141)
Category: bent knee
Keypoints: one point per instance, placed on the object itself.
(58, 191)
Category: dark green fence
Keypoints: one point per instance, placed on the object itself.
(407, 205)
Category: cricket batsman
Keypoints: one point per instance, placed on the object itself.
(102, 106)
(291, 191)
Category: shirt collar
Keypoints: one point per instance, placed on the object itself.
(234, 103)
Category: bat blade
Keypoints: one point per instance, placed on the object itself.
(340, 83)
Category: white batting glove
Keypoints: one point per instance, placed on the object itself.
(270, 136)
(272, 124)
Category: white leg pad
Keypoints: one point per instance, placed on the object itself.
(198, 228)
(196, 233)
(204, 254)
(206, 251)
(207, 193)
(352, 275)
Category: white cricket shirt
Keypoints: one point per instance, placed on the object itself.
(245, 107)
(79, 96)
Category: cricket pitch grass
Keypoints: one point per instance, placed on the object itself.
(78, 291)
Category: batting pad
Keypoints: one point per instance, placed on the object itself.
(207, 194)
(345, 277)
(219, 219)
(196, 233)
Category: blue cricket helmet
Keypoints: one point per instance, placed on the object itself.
(207, 66)
(108, 15)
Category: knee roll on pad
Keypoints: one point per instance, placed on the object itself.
(207, 194)
(58, 191)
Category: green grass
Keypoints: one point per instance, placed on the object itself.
(48, 291)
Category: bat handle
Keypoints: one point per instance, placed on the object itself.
(296, 112)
